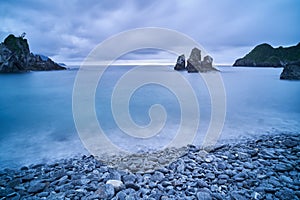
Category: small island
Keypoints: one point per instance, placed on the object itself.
(15, 56)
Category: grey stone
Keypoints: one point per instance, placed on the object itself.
(28, 177)
(202, 184)
(237, 196)
(105, 191)
(223, 176)
(115, 175)
(203, 196)
(43, 194)
(157, 176)
(283, 167)
(210, 175)
(36, 187)
(132, 185)
(118, 185)
(285, 194)
(129, 178)
(286, 179)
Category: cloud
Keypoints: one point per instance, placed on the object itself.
(69, 30)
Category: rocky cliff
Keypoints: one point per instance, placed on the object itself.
(264, 55)
(291, 71)
(15, 56)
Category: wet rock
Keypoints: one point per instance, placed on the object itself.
(105, 191)
(180, 64)
(36, 186)
(130, 178)
(203, 196)
(291, 71)
(283, 167)
(118, 185)
(43, 194)
(285, 194)
(237, 196)
(157, 176)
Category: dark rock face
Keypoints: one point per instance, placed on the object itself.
(264, 55)
(15, 56)
(291, 71)
(180, 64)
(194, 63)
(207, 62)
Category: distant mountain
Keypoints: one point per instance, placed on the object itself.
(15, 56)
(264, 55)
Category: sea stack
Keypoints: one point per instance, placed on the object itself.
(194, 63)
(180, 63)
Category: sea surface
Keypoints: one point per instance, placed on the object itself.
(37, 125)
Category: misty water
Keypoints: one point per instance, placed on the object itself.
(36, 119)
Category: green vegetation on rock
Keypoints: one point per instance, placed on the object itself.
(264, 55)
(15, 56)
(18, 45)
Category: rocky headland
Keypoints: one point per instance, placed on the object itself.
(264, 55)
(267, 167)
(194, 63)
(291, 71)
(15, 56)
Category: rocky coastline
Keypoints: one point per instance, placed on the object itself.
(264, 168)
(264, 55)
(15, 57)
(291, 71)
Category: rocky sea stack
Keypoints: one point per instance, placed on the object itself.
(15, 57)
(194, 63)
(264, 55)
(291, 71)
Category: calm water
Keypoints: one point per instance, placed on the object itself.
(36, 120)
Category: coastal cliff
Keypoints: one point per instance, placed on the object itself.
(15, 56)
(264, 55)
(291, 71)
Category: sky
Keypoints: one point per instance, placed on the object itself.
(67, 31)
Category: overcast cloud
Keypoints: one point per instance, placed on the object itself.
(68, 30)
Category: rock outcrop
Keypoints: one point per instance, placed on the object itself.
(291, 71)
(264, 55)
(194, 63)
(180, 64)
(15, 56)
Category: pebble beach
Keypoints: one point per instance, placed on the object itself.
(264, 168)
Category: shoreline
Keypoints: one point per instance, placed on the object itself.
(267, 167)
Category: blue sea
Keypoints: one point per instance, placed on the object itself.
(37, 124)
